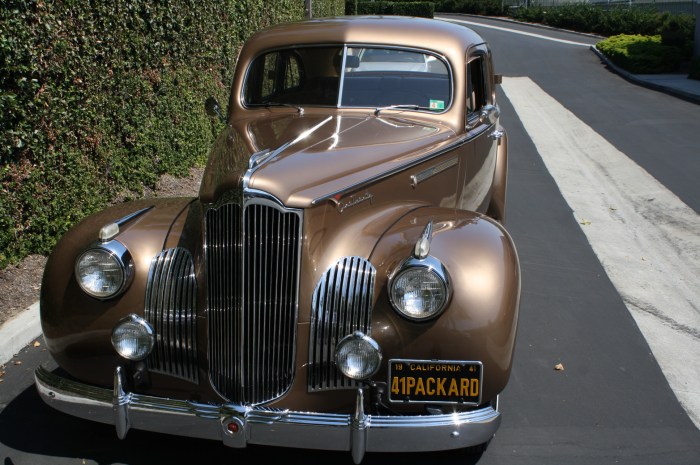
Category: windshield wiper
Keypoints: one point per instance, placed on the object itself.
(299, 109)
(402, 107)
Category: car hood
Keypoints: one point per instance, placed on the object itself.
(304, 159)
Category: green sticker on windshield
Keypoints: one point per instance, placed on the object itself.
(437, 104)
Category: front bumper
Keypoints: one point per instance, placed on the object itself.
(238, 425)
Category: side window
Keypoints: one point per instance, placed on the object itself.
(273, 76)
(292, 72)
(476, 84)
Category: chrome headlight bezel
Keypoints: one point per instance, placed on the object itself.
(434, 269)
(147, 332)
(119, 256)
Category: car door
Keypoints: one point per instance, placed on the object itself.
(479, 163)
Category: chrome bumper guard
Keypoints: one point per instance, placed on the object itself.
(237, 425)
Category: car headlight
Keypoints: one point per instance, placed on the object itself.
(133, 338)
(420, 289)
(358, 356)
(104, 271)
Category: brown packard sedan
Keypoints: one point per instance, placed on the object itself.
(343, 280)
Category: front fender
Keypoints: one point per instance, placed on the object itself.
(76, 326)
(479, 323)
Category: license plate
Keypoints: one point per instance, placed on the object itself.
(431, 381)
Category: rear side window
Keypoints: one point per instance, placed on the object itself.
(476, 84)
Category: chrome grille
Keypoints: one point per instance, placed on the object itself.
(170, 307)
(342, 303)
(252, 277)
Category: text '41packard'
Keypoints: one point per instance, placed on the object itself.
(343, 281)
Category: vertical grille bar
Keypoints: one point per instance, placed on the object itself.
(342, 304)
(170, 307)
(252, 272)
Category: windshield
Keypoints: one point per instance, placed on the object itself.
(348, 77)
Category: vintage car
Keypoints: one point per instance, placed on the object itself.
(342, 281)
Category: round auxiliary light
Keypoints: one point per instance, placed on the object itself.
(419, 292)
(102, 272)
(133, 338)
(358, 356)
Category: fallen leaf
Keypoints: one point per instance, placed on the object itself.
(613, 208)
(37, 343)
(559, 367)
(2, 373)
(18, 362)
(584, 222)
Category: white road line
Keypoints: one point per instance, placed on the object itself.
(645, 237)
(514, 31)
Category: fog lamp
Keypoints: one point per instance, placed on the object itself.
(133, 338)
(358, 356)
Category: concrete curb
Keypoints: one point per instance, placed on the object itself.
(16, 333)
(680, 93)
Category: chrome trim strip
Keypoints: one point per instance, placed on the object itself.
(171, 308)
(432, 171)
(326, 431)
(257, 160)
(121, 221)
(460, 141)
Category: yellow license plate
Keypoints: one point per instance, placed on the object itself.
(429, 381)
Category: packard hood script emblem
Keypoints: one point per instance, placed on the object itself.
(354, 200)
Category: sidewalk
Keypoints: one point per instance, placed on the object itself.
(16, 333)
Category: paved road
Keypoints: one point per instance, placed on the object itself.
(611, 404)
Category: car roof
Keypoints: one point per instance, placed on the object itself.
(430, 34)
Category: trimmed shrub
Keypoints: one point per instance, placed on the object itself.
(98, 99)
(694, 71)
(641, 54)
(678, 31)
(474, 7)
(422, 9)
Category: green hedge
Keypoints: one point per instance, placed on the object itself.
(584, 17)
(694, 71)
(641, 54)
(100, 98)
(473, 7)
(421, 9)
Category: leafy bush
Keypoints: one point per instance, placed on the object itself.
(587, 17)
(100, 98)
(422, 9)
(641, 54)
(694, 72)
(475, 7)
(678, 31)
